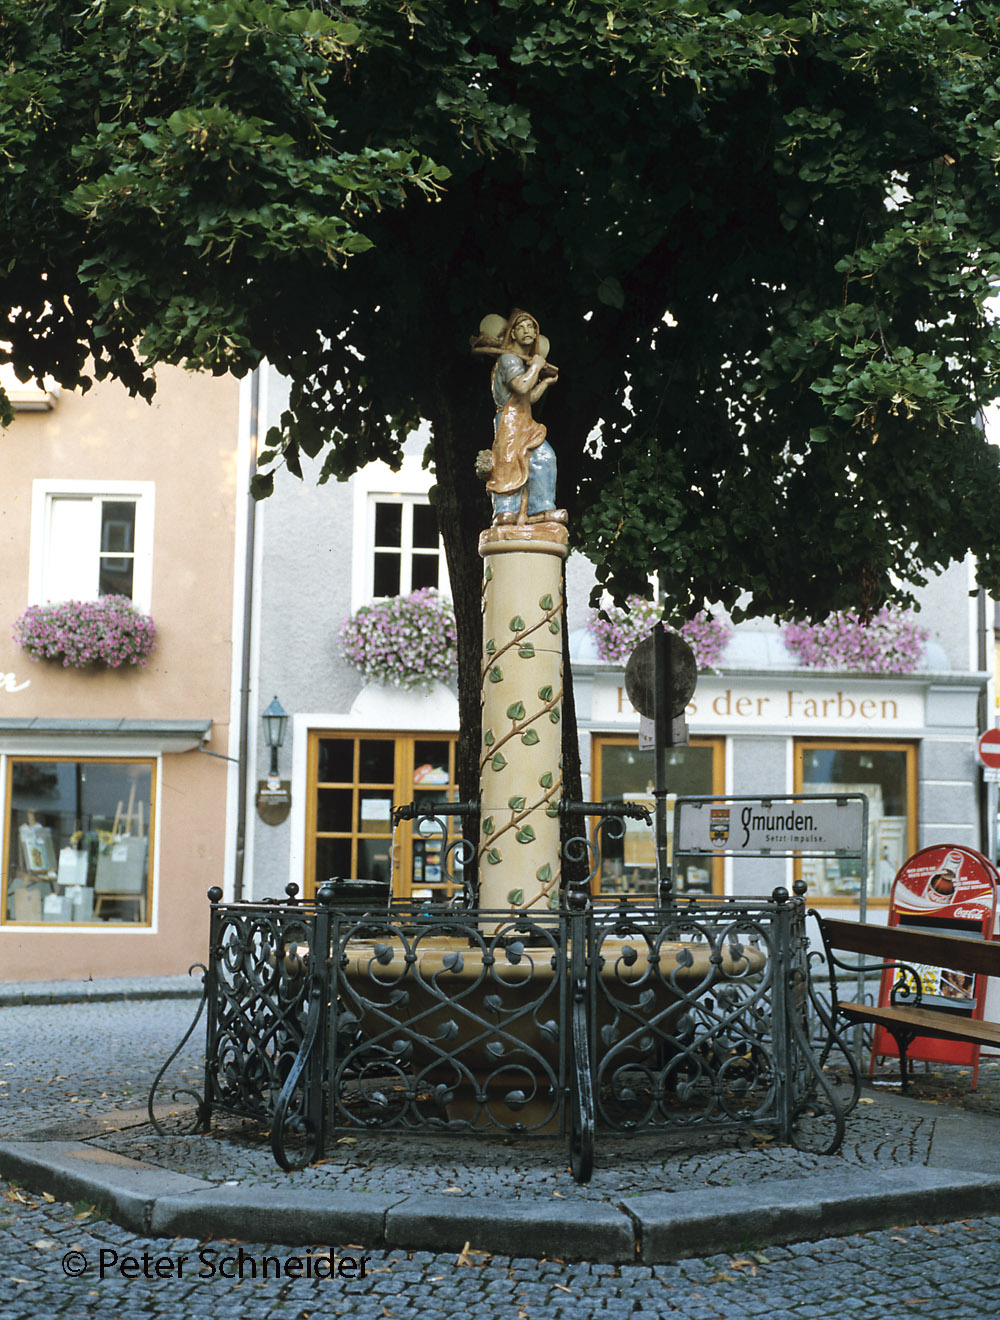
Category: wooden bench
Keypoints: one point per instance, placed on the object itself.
(898, 948)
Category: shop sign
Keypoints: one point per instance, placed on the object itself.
(801, 705)
(274, 800)
(947, 882)
(951, 889)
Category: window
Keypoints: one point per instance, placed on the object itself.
(887, 775)
(397, 546)
(78, 840)
(622, 771)
(90, 540)
(355, 780)
(406, 548)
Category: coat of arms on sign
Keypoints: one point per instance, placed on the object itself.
(718, 825)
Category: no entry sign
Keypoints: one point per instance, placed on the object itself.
(988, 749)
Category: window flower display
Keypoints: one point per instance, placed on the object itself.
(891, 643)
(617, 635)
(408, 641)
(108, 631)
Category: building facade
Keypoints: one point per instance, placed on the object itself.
(114, 820)
(126, 793)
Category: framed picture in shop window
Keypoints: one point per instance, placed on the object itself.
(37, 850)
(890, 852)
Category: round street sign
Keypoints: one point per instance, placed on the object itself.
(639, 676)
(988, 748)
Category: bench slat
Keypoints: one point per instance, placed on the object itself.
(925, 1021)
(910, 944)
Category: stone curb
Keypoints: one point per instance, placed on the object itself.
(712, 1220)
(97, 992)
(656, 1228)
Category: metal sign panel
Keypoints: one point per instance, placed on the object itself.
(988, 749)
(771, 826)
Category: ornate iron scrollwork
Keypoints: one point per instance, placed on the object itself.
(602, 1016)
(458, 853)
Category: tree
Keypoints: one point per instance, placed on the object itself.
(760, 237)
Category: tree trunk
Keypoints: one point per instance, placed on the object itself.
(462, 512)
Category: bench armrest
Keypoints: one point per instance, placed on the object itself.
(906, 990)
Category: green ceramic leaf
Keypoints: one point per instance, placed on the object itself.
(488, 572)
(490, 646)
(493, 856)
(516, 803)
(546, 602)
(515, 897)
(552, 809)
(553, 626)
(529, 737)
(545, 693)
(488, 825)
(496, 674)
(499, 761)
(526, 651)
(554, 716)
(516, 711)
(489, 738)
(516, 624)
(525, 834)
(554, 900)
(544, 873)
(546, 779)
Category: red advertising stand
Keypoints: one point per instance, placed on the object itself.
(953, 891)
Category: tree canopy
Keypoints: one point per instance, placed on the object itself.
(760, 236)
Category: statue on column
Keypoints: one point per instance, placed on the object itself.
(520, 469)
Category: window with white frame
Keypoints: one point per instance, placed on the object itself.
(91, 539)
(406, 546)
(397, 544)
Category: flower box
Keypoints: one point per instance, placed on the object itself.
(108, 632)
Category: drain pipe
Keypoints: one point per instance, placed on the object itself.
(248, 592)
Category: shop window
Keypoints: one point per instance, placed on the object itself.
(621, 771)
(78, 841)
(91, 540)
(886, 773)
(355, 780)
(407, 553)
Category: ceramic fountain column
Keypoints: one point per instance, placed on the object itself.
(522, 688)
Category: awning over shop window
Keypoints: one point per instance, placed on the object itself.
(54, 735)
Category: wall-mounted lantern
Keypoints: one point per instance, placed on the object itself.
(274, 795)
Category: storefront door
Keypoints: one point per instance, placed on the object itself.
(355, 781)
(622, 771)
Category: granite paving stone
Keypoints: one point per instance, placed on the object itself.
(82, 1069)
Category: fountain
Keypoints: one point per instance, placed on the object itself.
(532, 1006)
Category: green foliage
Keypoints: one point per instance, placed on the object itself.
(760, 236)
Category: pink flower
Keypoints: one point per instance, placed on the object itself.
(892, 643)
(109, 630)
(408, 641)
(617, 635)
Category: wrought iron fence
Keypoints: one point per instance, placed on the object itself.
(325, 1017)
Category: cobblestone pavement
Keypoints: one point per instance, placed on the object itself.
(67, 1063)
(62, 1261)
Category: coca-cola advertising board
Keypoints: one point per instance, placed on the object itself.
(951, 889)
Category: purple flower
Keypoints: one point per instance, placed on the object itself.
(617, 635)
(109, 631)
(409, 641)
(891, 643)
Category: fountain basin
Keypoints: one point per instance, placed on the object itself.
(473, 1030)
